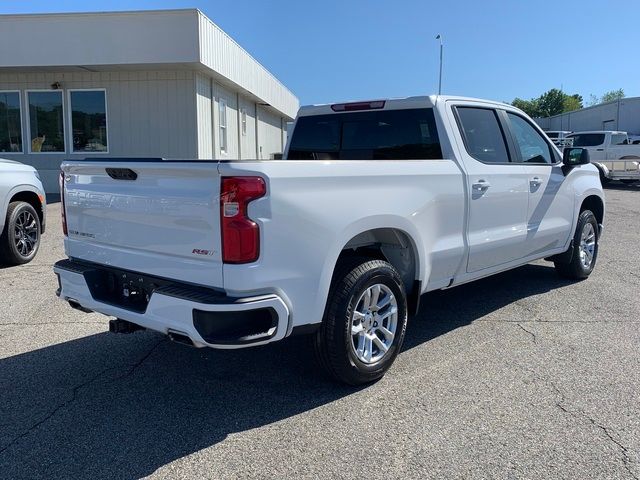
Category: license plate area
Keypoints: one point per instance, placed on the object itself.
(129, 290)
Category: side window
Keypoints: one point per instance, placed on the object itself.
(483, 136)
(46, 121)
(10, 123)
(222, 124)
(617, 139)
(88, 120)
(532, 146)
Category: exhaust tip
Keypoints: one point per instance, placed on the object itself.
(76, 306)
(180, 337)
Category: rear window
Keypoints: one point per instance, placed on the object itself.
(552, 134)
(371, 135)
(587, 139)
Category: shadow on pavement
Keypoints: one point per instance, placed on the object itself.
(107, 406)
(622, 186)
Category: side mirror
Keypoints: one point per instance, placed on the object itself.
(574, 156)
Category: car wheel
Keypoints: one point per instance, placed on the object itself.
(585, 249)
(364, 323)
(20, 238)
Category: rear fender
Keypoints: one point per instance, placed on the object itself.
(364, 225)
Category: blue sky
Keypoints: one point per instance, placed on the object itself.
(334, 50)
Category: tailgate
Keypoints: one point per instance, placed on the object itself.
(163, 219)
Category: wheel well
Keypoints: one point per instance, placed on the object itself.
(594, 203)
(393, 246)
(32, 199)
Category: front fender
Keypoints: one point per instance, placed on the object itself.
(586, 183)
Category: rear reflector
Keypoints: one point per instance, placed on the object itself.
(240, 234)
(350, 107)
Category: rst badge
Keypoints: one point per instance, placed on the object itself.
(198, 251)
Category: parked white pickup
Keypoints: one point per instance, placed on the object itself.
(616, 157)
(374, 204)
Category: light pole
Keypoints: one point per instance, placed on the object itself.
(439, 37)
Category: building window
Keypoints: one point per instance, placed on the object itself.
(222, 122)
(88, 120)
(10, 124)
(243, 121)
(46, 121)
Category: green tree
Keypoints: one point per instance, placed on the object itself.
(571, 103)
(612, 95)
(530, 107)
(593, 100)
(552, 102)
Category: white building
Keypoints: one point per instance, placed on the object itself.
(623, 114)
(133, 84)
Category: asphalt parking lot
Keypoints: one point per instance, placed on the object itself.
(522, 375)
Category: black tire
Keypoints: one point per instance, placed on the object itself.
(10, 252)
(576, 269)
(333, 342)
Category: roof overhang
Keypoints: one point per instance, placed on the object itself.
(119, 41)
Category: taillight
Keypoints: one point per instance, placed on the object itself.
(63, 212)
(240, 234)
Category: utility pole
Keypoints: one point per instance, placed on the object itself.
(439, 37)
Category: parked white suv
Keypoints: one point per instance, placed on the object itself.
(374, 204)
(22, 212)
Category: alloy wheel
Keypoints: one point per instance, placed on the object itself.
(374, 323)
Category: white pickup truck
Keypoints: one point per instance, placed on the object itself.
(374, 204)
(616, 157)
(559, 138)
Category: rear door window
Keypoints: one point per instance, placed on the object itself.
(482, 134)
(372, 135)
(618, 139)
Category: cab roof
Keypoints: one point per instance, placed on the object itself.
(388, 104)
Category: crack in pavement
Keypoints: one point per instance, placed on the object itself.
(533, 335)
(74, 394)
(561, 404)
(626, 459)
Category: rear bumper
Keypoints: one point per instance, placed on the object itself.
(207, 317)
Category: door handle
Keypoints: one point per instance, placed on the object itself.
(535, 182)
(481, 185)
